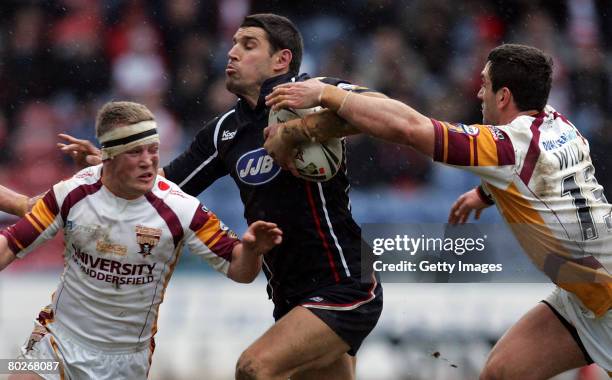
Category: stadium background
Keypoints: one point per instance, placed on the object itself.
(61, 60)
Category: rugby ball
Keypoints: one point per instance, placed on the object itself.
(314, 161)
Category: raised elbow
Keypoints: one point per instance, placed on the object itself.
(246, 279)
(244, 276)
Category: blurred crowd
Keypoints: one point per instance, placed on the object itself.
(61, 60)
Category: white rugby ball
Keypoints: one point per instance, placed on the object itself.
(314, 161)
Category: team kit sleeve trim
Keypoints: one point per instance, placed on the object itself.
(213, 234)
(472, 145)
(26, 231)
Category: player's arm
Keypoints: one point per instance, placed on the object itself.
(475, 200)
(247, 256)
(6, 255)
(282, 139)
(199, 165)
(37, 226)
(384, 118)
(83, 152)
(15, 203)
(12, 202)
(241, 261)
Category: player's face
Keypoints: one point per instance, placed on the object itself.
(133, 172)
(490, 113)
(249, 61)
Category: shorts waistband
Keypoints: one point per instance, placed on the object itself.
(57, 327)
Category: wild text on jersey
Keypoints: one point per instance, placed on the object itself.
(570, 155)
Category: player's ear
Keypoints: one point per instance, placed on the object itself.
(504, 97)
(282, 59)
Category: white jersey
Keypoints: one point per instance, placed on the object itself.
(119, 254)
(539, 171)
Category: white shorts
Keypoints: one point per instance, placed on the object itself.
(595, 333)
(80, 362)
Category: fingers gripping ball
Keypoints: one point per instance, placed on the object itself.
(314, 161)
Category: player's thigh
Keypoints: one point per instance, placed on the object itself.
(298, 341)
(342, 368)
(538, 346)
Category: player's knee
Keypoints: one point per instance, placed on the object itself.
(254, 366)
(494, 369)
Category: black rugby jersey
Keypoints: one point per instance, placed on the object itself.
(321, 241)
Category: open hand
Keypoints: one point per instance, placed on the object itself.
(281, 150)
(83, 152)
(305, 94)
(261, 237)
(464, 205)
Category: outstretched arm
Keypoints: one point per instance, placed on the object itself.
(281, 140)
(259, 238)
(12, 202)
(16, 204)
(384, 118)
(6, 255)
(83, 152)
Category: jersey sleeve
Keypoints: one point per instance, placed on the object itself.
(198, 166)
(210, 239)
(36, 227)
(485, 150)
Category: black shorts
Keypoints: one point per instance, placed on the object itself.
(572, 330)
(351, 309)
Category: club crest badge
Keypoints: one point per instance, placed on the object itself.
(147, 238)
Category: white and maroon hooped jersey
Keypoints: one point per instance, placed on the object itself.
(119, 254)
(539, 171)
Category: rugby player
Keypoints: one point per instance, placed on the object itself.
(535, 165)
(124, 229)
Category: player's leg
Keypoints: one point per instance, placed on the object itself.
(538, 346)
(26, 376)
(298, 342)
(343, 368)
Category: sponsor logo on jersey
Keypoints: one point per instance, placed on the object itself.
(227, 135)
(112, 271)
(462, 128)
(229, 232)
(497, 134)
(256, 167)
(470, 130)
(104, 246)
(559, 140)
(147, 238)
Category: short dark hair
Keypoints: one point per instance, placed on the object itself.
(525, 70)
(282, 34)
(118, 114)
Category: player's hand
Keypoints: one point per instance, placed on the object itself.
(464, 205)
(305, 94)
(261, 237)
(83, 152)
(281, 149)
